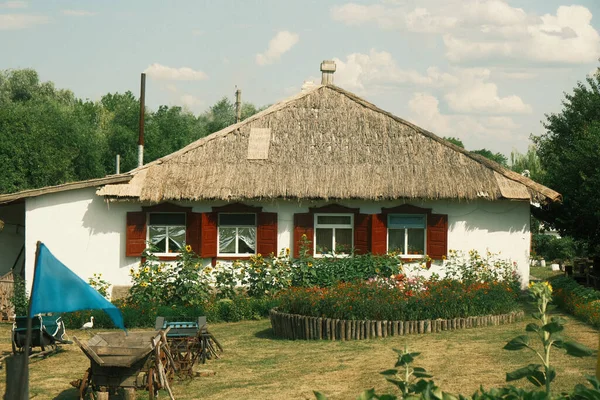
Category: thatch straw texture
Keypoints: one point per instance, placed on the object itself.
(326, 143)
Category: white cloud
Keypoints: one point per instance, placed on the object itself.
(482, 97)
(78, 13)
(468, 90)
(475, 30)
(21, 21)
(416, 20)
(162, 72)
(190, 101)
(280, 44)
(475, 131)
(13, 4)
(361, 72)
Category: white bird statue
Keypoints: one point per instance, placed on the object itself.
(88, 325)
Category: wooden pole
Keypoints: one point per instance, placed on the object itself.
(141, 125)
(24, 392)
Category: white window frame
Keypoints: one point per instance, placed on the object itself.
(333, 226)
(236, 254)
(167, 253)
(387, 241)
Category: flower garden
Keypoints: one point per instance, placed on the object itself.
(361, 287)
(375, 296)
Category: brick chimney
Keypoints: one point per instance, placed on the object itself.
(327, 70)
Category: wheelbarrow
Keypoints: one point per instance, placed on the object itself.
(46, 332)
(138, 360)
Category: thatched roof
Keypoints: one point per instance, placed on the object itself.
(18, 196)
(325, 143)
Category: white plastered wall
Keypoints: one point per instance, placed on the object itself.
(88, 234)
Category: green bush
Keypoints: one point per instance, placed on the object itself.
(378, 300)
(554, 248)
(144, 315)
(180, 284)
(578, 300)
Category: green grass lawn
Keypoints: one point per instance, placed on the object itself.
(544, 273)
(256, 365)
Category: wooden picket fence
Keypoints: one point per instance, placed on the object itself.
(7, 283)
(300, 327)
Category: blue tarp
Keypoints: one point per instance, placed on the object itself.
(58, 289)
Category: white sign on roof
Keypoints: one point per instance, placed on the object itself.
(258, 143)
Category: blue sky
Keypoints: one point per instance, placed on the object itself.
(485, 71)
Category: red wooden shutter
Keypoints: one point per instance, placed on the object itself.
(303, 225)
(208, 236)
(266, 234)
(437, 236)
(362, 224)
(135, 235)
(379, 234)
(193, 231)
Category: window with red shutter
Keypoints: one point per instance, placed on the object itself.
(135, 235)
(333, 229)
(437, 236)
(411, 231)
(303, 226)
(266, 234)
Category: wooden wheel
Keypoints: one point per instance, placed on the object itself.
(150, 386)
(85, 383)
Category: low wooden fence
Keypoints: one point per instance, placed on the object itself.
(293, 326)
(7, 284)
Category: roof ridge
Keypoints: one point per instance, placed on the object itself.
(228, 129)
(552, 194)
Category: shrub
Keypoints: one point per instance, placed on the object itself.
(19, 298)
(181, 283)
(379, 300)
(144, 315)
(578, 300)
(473, 267)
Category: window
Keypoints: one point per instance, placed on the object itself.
(237, 234)
(406, 234)
(333, 233)
(166, 232)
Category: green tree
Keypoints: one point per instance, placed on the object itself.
(497, 157)
(528, 162)
(455, 141)
(569, 152)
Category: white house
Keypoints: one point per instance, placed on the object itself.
(324, 163)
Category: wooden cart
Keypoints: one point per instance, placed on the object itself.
(189, 341)
(139, 360)
(46, 332)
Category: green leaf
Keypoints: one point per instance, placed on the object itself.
(517, 343)
(537, 378)
(404, 360)
(558, 320)
(558, 342)
(577, 349)
(389, 372)
(522, 372)
(537, 316)
(551, 374)
(532, 327)
(366, 395)
(387, 397)
(319, 395)
(553, 327)
(399, 384)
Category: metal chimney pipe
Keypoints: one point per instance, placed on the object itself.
(238, 106)
(118, 164)
(141, 129)
(327, 70)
